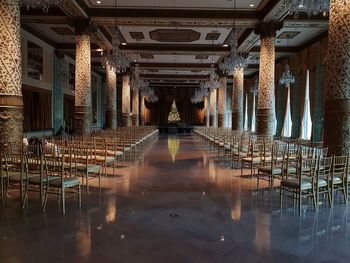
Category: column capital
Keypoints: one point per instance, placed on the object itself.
(82, 26)
(268, 29)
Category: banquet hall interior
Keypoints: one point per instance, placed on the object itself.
(174, 131)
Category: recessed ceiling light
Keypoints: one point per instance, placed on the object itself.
(225, 45)
(251, 5)
(98, 2)
(301, 5)
(123, 44)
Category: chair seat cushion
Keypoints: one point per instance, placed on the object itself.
(17, 177)
(90, 168)
(267, 169)
(36, 180)
(294, 183)
(321, 182)
(67, 182)
(251, 160)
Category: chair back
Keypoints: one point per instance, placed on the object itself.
(339, 166)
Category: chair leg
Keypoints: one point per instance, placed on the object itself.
(251, 170)
(45, 198)
(79, 195)
(281, 197)
(63, 196)
(87, 181)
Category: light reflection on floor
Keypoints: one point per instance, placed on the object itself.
(178, 202)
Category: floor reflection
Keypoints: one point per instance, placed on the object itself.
(189, 209)
(173, 146)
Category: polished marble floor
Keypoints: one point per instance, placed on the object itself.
(176, 202)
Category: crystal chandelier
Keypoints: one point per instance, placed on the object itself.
(136, 82)
(254, 89)
(114, 58)
(199, 95)
(40, 4)
(311, 7)
(213, 82)
(149, 95)
(287, 78)
(235, 60)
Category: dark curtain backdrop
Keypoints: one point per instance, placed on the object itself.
(37, 110)
(189, 112)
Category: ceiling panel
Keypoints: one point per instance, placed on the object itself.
(199, 34)
(175, 59)
(179, 4)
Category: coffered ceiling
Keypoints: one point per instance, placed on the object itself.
(173, 40)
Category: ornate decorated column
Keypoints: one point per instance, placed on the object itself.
(126, 101)
(337, 111)
(142, 111)
(213, 110)
(11, 102)
(207, 110)
(135, 107)
(266, 100)
(222, 102)
(83, 109)
(237, 99)
(111, 88)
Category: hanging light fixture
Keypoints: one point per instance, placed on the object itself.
(311, 7)
(236, 59)
(254, 89)
(149, 95)
(199, 95)
(287, 78)
(115, 58)
(136, 82)
(40, 4)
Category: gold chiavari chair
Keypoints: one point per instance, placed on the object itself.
(59, 182)
(303, 185)
(254, 158)
(273, 169)
(324, 178)
(339, 176)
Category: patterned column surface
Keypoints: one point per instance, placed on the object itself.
(222, 102)
(126, 101)
(213, 111)
(83, 110)
(11, 102)
(142, 111)
(237, 99)
(135, 107)
(111, 87)
(207, 110)
(266, 98)
(337, 111)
